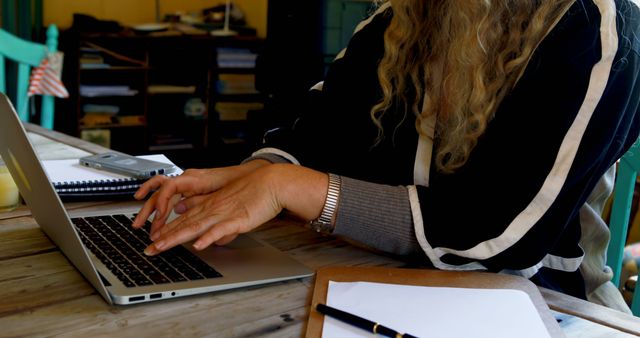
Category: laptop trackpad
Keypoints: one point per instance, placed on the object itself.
(243, 242)
(243, 250)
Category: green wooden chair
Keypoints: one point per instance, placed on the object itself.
(27, 54)
(620, 213)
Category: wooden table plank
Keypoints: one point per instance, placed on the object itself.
(38, 280)
(23, 210)
(265, 307)
(288, 325)
(317, 250)
(260, 306)
(74, 144)
(582, 328)
(26, 242)
(592, 312)
(48, 150)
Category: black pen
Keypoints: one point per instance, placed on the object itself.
(360, 322)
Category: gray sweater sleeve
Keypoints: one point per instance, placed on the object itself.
(376, 215)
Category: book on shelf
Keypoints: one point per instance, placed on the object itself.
(115, 90)
(101, 120)
(94, 66)
(100, 109)
(74, 182)
(170, 89)
(94, 120)
(131, 120)
(236, 84)
(91, 59)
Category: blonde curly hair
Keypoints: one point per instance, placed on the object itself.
(461, 57)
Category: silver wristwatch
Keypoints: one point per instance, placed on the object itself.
(324, 223)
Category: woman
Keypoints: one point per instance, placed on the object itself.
(477, 135)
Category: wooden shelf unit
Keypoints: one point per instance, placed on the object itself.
(166, 82)
(235, 100)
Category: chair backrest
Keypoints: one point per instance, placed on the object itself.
(27, 54)
(628, 167)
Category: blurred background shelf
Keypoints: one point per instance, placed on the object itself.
(157, 93)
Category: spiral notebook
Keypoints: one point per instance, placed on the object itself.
(74, 182)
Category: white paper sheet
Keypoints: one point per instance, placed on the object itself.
(72, 171)
(434, 312)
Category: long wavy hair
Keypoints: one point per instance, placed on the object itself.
(461, 58)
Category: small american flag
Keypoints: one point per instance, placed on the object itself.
(45, 79)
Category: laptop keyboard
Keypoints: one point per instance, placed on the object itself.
(120, 247)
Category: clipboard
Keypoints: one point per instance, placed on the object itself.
(424, 277)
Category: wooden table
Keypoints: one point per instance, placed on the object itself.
(41, 294)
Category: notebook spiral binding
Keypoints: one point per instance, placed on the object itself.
(100, 185)
(125, 186)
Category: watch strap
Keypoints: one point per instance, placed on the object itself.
(324, 223)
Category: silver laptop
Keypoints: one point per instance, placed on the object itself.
(108, 252)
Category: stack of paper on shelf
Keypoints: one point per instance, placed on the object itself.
(236, 58)
(236, 111)
(116, 90)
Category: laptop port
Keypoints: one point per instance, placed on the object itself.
(155, 296)
(136, 298)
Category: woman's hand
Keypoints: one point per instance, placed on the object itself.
(191, 183)
(233, 206)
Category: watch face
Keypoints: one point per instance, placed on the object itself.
(321, 227)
